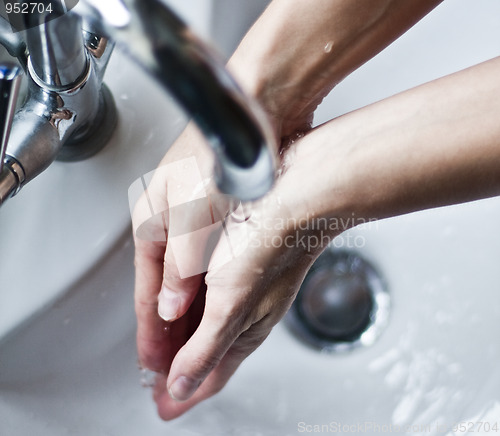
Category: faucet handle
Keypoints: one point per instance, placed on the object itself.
(10, 79)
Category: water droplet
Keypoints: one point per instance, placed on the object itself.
(329, 47)
(147, 378)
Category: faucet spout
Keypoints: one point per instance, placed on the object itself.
(233, 125)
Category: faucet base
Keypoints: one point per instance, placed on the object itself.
(80, 147)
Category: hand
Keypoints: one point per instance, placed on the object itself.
(216, 320)
(152, 259)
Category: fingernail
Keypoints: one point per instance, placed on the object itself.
(168, 304)
(183, 388)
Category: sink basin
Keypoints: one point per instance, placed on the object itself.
(67, 325)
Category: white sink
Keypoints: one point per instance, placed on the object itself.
(67, 346)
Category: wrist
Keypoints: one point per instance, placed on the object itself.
(283, 78)
(287, 111)
(311, 218)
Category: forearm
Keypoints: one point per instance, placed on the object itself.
(435, 145)
(300, 49)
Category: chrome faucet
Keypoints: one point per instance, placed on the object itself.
(69, 113)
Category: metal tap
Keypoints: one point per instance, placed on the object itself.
(68, 113)
(67, 102)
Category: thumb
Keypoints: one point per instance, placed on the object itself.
(192, 238)
(176, 293)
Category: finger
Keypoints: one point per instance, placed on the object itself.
(194, 228)
(199, 356)
(154, 220)
(149, 254)
(151, 329)
(157, 341)
(177, 293)
(231, 328)
(169, 408)
(222, 323)
(173, 335)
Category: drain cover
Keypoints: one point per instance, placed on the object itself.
(342, 304)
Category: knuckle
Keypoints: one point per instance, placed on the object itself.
(203, 365)
(146, 308)
(224, 304)
(247, 343)
(227, 319)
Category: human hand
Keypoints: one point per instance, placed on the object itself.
(200, 327)
(152, 259)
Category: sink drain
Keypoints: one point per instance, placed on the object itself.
(342, 304)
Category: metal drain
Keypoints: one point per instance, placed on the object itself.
(342, 304)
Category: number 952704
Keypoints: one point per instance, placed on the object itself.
(28, 8)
